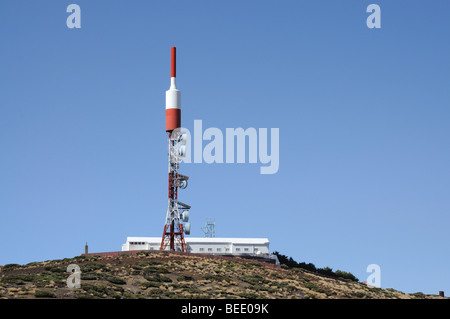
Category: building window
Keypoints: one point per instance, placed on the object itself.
(219, 249)
(238, 249)
(209, 249)
(245, 249)
(227, 249)
(201, 249)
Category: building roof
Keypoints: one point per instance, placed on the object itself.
(192, 240)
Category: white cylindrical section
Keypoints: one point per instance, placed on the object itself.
(173, 83)
(173, 96)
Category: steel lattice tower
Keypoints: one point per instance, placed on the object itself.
(174, 230)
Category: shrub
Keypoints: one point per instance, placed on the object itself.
(81, 257)
(170, 294)
(8, 267)
(216, 278)
(254, 279)
(261, 288)
(248, 295)
(185, 278)
(84, 295)
(283, 285)
(345, 275)
(44, 294)
(149, 284)
(136, 268)
(55, 269)
(99, 290)
(116, 280)
(43, 279)
(164, 278)
(117, 288)
(361, 295)
(154, 292)
(154, 269)
(113, 294)
(180, 286)
(311, 286)
(18, 279)
(308, 266)
(93, 288)
(230, 264)
(34, 263)
(254, 264)
(276, 275)
(318, 289)
(193, 290)
(288, 261)
(326, 271)
(89, 267)
(13, 280)
(148, 263)
(132, 296)
(89, 276)
(142, 253)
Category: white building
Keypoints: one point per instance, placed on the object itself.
(205, 245)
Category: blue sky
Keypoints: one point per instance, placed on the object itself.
(363, 116)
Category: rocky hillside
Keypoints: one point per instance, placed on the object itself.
(167, 275)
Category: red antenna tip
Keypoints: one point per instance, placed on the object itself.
(174, 62)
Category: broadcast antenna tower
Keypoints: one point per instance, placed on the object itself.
(174, 230)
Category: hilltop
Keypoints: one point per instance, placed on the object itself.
(169, 275)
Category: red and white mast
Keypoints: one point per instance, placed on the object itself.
(173, 97)
(174, 230)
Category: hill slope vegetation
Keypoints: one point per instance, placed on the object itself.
(165, 275)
